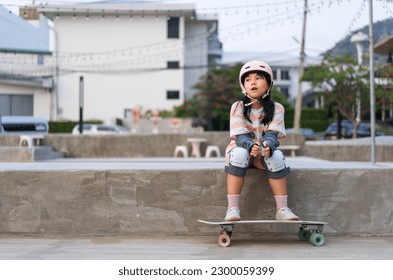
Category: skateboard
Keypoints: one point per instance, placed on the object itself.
(308, 231)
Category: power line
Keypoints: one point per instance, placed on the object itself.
(134, 56)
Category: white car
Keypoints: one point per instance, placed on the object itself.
(100, 129)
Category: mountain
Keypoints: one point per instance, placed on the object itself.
(381, 30)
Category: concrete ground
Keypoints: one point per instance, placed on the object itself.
(194, 248)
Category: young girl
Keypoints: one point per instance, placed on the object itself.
(256, 122)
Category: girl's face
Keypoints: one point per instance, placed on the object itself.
(256, 85)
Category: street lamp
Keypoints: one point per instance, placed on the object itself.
(357, 39)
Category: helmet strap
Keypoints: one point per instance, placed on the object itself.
(253, 100)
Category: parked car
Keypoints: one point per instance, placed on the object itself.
(364, 130)
(100, 129)
(23, 125)
(308, 133)
(347, 130)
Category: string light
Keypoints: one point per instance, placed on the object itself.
(348, 31)
(129, 59)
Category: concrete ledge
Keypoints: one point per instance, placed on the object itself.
(27, 154)
(16, 154)
(165, 197)
(350, 149)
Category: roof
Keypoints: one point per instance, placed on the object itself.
(18, 35)
(384, 47)
(118, 8)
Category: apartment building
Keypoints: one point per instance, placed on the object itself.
(111, 58)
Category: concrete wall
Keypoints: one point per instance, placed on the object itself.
(100, 146)
(162, 145)
(354, 200)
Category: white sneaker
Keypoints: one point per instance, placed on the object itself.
(233, 214)
(285, 214)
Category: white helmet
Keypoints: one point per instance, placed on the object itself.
(255, 65)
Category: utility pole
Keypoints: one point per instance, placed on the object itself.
(372, 89)
(81, 101)
(299, 97)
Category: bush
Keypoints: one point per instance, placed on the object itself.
(315, 119)
(66, 126)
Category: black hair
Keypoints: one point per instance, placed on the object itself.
(267, 102)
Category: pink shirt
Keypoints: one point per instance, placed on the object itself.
(240, 125)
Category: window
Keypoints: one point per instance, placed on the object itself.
(16, 105)
(274, 74)
(40, 60)
(284, 90)
(173, 27)
(285, 75)
(173, 64)
(172, 94)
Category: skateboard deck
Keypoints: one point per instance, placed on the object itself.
(308, 231)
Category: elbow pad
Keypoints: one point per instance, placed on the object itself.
(245, 141)
(271, 138)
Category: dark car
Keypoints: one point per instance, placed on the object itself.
(347, 130)
(364, 130)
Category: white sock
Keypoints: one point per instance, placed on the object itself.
(233, 200)
(281, 201)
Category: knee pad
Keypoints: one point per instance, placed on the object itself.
(275, 165)
(239, 160)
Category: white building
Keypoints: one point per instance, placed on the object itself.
(23, 46)
(129, 55)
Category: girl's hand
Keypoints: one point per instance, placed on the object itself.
(265, 149)
(255, 150)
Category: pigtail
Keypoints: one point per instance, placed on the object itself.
(268, 109)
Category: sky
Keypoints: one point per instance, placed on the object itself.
(275, 27)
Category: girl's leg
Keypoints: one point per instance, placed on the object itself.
(234, 184)
(278, 186)
(279, 189)
(234, 188)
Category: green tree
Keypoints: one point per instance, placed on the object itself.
(216, 92)
(384, 88)
(341, 81)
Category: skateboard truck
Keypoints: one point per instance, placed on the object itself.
(224, 239)
(312, 233)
